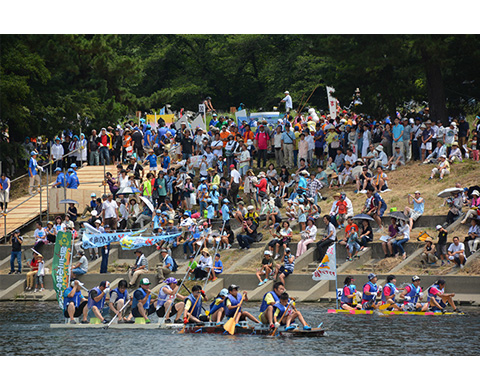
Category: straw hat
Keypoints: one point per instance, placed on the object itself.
(205, 250)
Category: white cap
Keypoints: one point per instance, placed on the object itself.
(93, 195)
(98, 221)
(286, 92)
(269, 253)
(438, 227)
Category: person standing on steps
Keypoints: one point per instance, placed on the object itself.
(16, 252)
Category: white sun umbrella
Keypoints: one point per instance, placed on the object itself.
(128, 191)
(449, 192)
(148, 203)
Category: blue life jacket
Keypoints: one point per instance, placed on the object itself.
(123, 296)
(373, 289)
(264, 304)
(281, 309)
(234, 301)
(414, 293)
(430, 295)
(195, 310)
(392, 288)
(144, 294)
(98, 304)
(344, 298)
(76, 299)
(214, 307)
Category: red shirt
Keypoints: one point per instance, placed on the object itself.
(262, 185)
(262, 139)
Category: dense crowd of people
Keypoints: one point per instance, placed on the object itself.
(183, 180)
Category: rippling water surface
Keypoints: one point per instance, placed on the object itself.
(24, 330)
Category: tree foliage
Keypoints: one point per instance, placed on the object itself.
(47, 81)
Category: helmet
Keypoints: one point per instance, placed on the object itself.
(171, 280)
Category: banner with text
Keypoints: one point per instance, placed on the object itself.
(332, 102)
(327, 269)
(62, 259)
(127, 240)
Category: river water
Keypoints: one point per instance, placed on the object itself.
(24, 330)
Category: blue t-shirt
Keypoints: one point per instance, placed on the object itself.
(166, 162)
(225, 213)
(320, 142)
(72, 181)
(218, 267)
(152, 160)
(397, 130)
(210, 211)
(32, 165)
(146, 136)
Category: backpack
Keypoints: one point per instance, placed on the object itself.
(174, 266)
(259, 237)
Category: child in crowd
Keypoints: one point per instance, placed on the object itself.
(40, 274)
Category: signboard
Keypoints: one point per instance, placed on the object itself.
(201, 108)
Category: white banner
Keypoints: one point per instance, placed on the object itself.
(332, 102)
(327, 269)
(198, 122)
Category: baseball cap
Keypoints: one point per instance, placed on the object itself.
(371, 276)
(145, 281)
(232, 166)
(233, 287)
(438, 227)
(415, 278)
(58, 169)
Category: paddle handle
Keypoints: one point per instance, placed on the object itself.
(110, 323)
(184, 326)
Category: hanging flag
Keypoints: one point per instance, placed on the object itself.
(62, 260)
(132, 242)
(327, 269)
(162, 111)
(332, 102)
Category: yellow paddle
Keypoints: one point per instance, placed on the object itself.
(384, 306)
(230, 324)
(280, 322)
(186, 322)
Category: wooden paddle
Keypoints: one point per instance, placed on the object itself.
(186, 322)
(230, 324)
(280, 322)
(384, 306)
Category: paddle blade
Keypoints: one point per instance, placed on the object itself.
(230, 326)
(383, 307)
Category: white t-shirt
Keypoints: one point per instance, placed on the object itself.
(236, 176)
(217, 152)
(351, 159)
(454, 248)
(288, 101)
(110, 209)
(41, 269)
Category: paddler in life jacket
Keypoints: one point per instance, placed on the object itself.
(193, 305)
(232, 303)
(217, 307)
(74, 304)
(412, 295)
(370, 293)
(118, 298)
(438, 299)
(389, 291)
(286, 304)
(268, 301)
(96, 299)
(348, 299)
(141, 301)
(165, 301)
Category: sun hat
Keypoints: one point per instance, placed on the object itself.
(379, 148)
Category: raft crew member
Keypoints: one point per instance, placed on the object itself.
(141, 301)
(74, 304)
(217, 307)
(96, 299)
(288, 266)
(233, 302)
(193, 308)
(290, 315)
(411, 295)
(269, 299)
(370, 292)
(389, 291)
(165, 299)
(348, 299)
(118, 298)
(437, 299)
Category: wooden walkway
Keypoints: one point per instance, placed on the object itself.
(90, 178)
